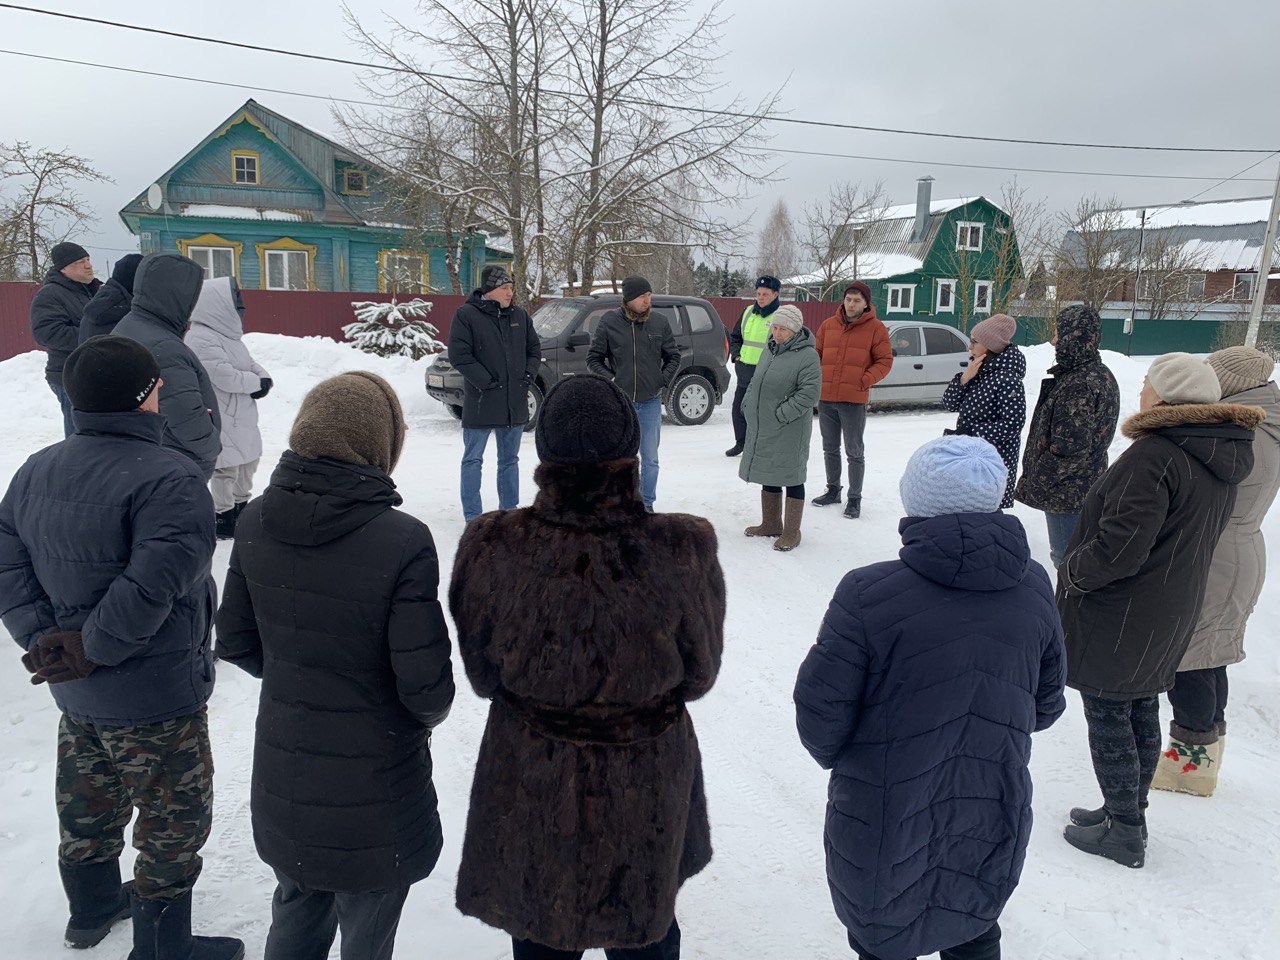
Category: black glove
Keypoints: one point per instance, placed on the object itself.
(733, 358)
(263, 390)
(59, 657)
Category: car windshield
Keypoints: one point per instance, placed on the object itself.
(551, 318)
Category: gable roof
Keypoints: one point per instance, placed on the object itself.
(313, 152)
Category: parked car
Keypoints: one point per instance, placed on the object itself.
(565, 326)
(925, 358)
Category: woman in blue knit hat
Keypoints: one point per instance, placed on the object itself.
(929, 676)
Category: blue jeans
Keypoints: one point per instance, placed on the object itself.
(68, 428)
(1061, 527)
(650, 414)
(474, 440)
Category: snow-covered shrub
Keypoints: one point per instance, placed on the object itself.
(394, 329)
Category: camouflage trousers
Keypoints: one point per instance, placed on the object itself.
(164, 771)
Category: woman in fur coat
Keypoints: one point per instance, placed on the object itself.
(589, 623)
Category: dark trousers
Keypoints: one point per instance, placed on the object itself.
(304, 922)
(163, 770)
(847, 422)
(668, 948)
(793, 493)
(1199, 701)
(68, 428)
(742, 374)
(985, 946)
(1124, 741)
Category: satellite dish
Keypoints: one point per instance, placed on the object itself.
(155, 196)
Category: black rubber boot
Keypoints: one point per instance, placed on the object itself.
(224, 526)
(97, 898)
(827, 499)
(734, 451)
(853, 509)
(1084, 817)
(1121, 842)
(162, 931)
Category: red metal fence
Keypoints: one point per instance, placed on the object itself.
(314, 314)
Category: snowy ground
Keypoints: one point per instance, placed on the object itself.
(1210, 888)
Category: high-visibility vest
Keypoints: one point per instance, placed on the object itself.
(755, 336)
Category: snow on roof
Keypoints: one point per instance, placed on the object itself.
(221, 211)
(1215, 213)
(500, 242)
(905, 211)
(871, 266)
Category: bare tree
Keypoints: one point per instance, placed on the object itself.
(777, 252)
(1172, 276)
(1096, 253)
(838, 229)
(39, 206)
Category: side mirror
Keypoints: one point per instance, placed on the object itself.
(579, 340)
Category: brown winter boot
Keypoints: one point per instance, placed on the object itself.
(1187, 767)
(771, 513)
(790, 538)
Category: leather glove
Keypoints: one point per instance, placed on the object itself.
(263, 390)
(60, 657)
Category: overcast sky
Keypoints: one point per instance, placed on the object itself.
(1169, 72)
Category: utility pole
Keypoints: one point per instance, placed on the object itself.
(1137, 282)
(1264, 270)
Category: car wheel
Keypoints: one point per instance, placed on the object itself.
(535, 407)
(691, 400)
(454, 409)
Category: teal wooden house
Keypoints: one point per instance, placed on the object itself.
(280, 207)
(954, 261)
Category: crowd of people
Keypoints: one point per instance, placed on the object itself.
(589, 621)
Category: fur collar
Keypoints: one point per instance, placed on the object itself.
(594, 495)
(1166, 415)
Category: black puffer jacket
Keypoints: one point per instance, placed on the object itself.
(497, 351)
(993, 406)
(56, 310)
(640, 356)
(165, 292)
(1074, 421)
(107, 308)
(353, 652)
(1132, 583)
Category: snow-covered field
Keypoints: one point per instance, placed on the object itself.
(1209, 890)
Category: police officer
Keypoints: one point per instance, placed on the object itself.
(746, 343)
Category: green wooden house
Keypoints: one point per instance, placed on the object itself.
(950, 260)
(280, 207)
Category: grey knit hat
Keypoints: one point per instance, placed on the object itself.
(354, 417)
(788, 315)
(1182, 378)
(1241, 368)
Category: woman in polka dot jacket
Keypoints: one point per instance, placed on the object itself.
(989, 394)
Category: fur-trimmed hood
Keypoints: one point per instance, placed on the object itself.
(1219, 435)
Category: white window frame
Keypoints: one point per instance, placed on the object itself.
(937, 302)
(1249, 280)
(961, 226)
(306, 279)
(977, 286)
(420, 283)
(898, 289)
(211, 249)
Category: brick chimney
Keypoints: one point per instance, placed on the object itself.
(924, 193)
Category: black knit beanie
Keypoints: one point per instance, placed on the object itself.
(586, 419)
(634, 286)
(125, 269)
(493, 276)
(109, 375)
(66, 253)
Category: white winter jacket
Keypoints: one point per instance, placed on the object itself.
(215, 337)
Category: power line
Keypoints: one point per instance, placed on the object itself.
(683, 108)
(779, 150)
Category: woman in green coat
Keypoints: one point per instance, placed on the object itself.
(779, 410)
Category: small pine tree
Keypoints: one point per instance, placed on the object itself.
(394, 329)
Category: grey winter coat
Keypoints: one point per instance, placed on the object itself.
(165, 291)
(779, 410)
(1239, 564)
(56, 310)
(215, 339)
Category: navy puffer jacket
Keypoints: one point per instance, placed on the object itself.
(111, 534)
(929, 675)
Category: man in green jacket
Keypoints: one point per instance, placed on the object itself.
(746, 343)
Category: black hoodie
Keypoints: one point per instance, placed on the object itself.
(331, 598)
(1131, 586)
(165, 290)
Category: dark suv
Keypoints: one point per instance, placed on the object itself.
(565, 327)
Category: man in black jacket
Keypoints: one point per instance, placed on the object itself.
(56, 310)
(331, 599)
(637, 350)
(496, 349)
(165, 291)
(105, 544)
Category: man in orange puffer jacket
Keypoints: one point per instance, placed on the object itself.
(854, 349)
